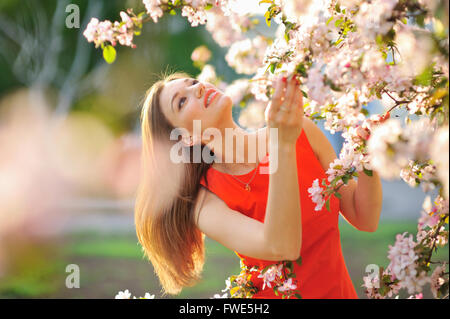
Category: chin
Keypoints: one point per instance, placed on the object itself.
(227, 106)
(224, 111)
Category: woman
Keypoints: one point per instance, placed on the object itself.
(263, 218)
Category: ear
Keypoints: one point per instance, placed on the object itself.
(190, 141)
(187, 141)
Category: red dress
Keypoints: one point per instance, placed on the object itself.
(322, 273)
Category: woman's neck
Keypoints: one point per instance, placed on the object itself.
(237, 149)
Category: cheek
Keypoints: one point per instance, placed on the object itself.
(190, 113)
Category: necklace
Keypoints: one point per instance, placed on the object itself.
(247, 185)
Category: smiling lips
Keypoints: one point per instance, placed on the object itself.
(212, 93)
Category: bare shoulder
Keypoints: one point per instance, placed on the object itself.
(206, 200)
(200, 201)
(319, 142)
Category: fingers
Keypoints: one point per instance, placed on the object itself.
(290, 92)
(277, 98)
(287, 101)
(276, 101)
(297, 103)
(286, 108)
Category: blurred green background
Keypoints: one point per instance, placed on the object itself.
(46, 66)
(112, 262)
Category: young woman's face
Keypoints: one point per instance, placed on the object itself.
(185, 100)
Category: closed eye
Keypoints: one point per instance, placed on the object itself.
(184, 98)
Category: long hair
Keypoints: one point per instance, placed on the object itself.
(166, 196)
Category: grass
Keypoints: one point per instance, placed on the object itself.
(109, 263)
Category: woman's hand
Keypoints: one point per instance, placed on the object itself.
(285, 111)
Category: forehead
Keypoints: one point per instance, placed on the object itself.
(170, 88)
(168, 92)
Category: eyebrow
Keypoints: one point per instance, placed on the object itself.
(175, 95)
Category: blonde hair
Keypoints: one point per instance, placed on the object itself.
(167, 231)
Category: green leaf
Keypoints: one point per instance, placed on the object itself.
(365, 112)
(379, 39)
(345, 179)
(173, 12)
(329, 20)
(378, 93)
(265, 1)
(299, 261)
(109, 54)
(327, 204)
(290, 266)
(420, 20)
(383, 290)
(273, 67)
(298, 296)
(337, 7)
(265, 269)
(425, 77)
(208, 6)
(368, 172)
(301, 69)
(338, 22)
(338, 195)
(268, 18)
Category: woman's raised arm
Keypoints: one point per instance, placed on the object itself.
(280, 236)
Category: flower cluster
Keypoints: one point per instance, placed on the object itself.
(393, 147)
(410, 259)
(127, 295)
(194, 10)
(241, 286)
(279, 277)
(354, 158)
(246, 55)
(275, 277)
(122, 32)
(403, 264)
(417, 173)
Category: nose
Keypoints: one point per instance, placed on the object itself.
(200, 89)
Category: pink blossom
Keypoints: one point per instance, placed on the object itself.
(315, 192)
(287, 285)
(126, 18)
(153, 9)
(195, 17)
(437, 280)
(90, 33)
(270, 275)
